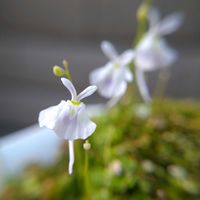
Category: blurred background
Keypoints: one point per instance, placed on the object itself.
(37, 34)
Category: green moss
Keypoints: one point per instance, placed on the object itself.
(133, 155)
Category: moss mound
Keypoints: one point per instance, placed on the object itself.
(136, 153)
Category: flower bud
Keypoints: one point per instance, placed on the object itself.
(58, 71)
(142, 12)
(65, 64)
(87, 145)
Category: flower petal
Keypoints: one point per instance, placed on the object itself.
(48, 117)
(113, 101)
(128, 74)
(142, 85)
(153, 53)
(146, 51)
(73, 122)
(109, 84)
(121, 89)
(68, 84)
(109, 50)
(87, 92)
(85, 126)
(154, 16)
(168, 54)
(170, 23)
(71, 156)
(117, 95)
(99, 74)
(126, 57)
(102, 78)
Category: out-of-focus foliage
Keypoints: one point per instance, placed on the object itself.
(135, 154)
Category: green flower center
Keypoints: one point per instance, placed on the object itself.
(75, 102)
(116, 64)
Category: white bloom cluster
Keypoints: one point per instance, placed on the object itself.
(151, 53)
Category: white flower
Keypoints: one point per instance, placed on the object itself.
(112, 78)
(148, 166)
(152, 52)
(143, 111)
(115, 167)
(177, 171)
(69, 119)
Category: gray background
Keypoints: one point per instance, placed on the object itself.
(37, 34)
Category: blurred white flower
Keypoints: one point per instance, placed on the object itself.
(69, 118)
(148, 166)
(143, 111)
(115, 167)
(112, 78)
(153, 52)
(177, 171)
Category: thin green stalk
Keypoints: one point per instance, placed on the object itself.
(67, 73)
(86, 177)
(142, 21)
(161, 84)
(142, 13)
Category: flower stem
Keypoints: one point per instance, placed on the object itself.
(142, 85)
(142, 14)
(142, 17)
(86, 176)
(71, 156)
(163, 78)
(67, 73)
